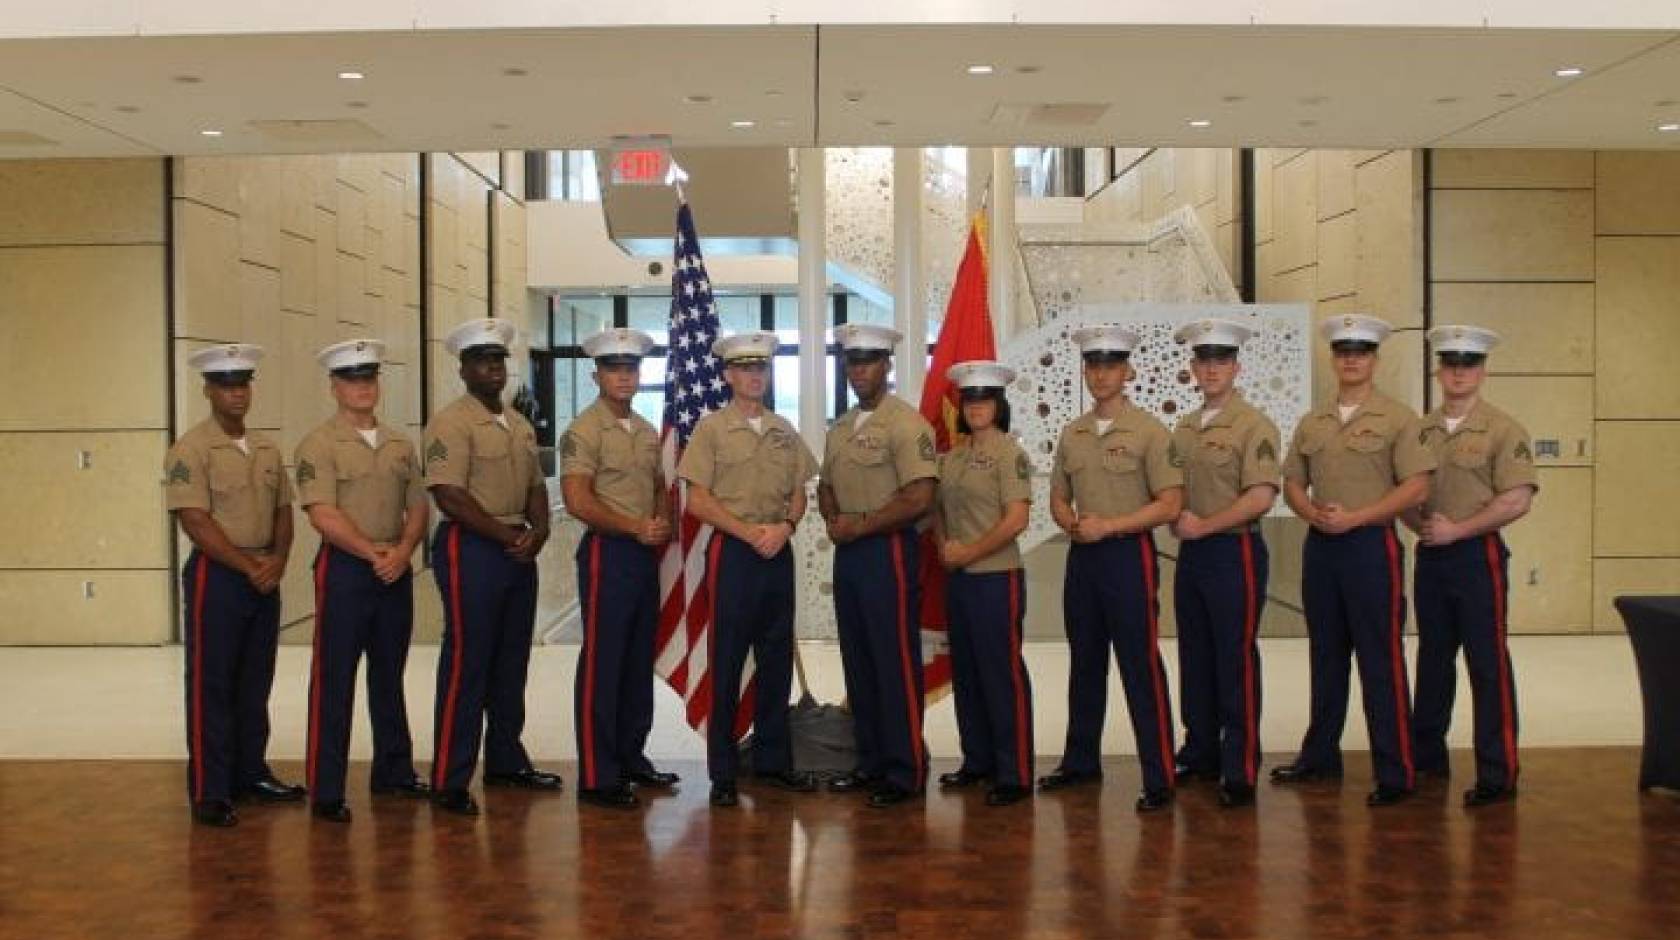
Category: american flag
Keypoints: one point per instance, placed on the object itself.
(694, 388)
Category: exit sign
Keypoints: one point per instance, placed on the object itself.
(641, 162)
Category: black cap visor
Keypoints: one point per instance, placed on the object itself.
(1096, 356)
(231, 379)
(1461, 360)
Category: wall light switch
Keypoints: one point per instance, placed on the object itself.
(87, 590)
(84, 460)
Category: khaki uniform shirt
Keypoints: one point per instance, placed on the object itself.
(467, 447)
(1488, 454)
(374, 486)
(623, 465)
(976, 485)
(206, 470)
(1355, 464)
(1117, 473)
(866, 466)
(753, 475)
(1238, 448)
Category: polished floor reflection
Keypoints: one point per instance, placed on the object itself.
(104, 849)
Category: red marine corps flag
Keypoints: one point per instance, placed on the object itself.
(966, 334)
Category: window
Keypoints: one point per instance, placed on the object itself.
(572, 318)
(571, 176)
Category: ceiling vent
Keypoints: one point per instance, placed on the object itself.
(15, 138)
(1055, 114)
(324, 132)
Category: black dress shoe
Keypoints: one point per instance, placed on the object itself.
(1059, 779)
(1236, 794)
(619, 796)
(1151, 801)
(854, 782)
(1483, 795)
(1189, 773)
(888, 795)
(654, 779)
(335, 811)
(218, 813)
(1006, 795)
(459, 802)
(791, 780)
(270, 790)
(1387, 796)
(957, 779)
(415, 789)
(724, 794)
(1301, 773)
(528, 779)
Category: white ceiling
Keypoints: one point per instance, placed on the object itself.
(852, 85)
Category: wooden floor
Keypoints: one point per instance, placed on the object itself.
(105, 849)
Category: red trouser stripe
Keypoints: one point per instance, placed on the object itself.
(590, 639)
(1507, 707)
(440, 765)
(1157, 676)
(317, 667)
(912, 701)
(1397, 661)
(200, 578)
(714, 561)
(1021, 756)
(1251, 603)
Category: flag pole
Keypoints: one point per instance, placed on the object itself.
(675, 177)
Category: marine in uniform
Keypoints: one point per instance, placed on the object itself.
(482, 470)
(1484, 481)
(985, 492)
(358, 480)
(1354, 466)
(1115, 479)
(611, 481)
(879, 474)
(226, 487)
(746, 469)
(1231, 453)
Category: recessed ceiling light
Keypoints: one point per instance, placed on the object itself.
(1668, 128)
(1233, 99)
(853, 96)
(783, 122)
(351, 76)
(500, 126)
(1313, 100)
(1568, 71)
(1507, 95)
(883, 123)
(186, 79)
(515, 72)
(1028, 69)
(1199, 122)
(981, 70)
(698, 99)
(356, 104)
(742, 125)
(128, 108)
(773, 93)
(210, 132)
(1448, 99)
(1667, 103)
(1308, 123)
